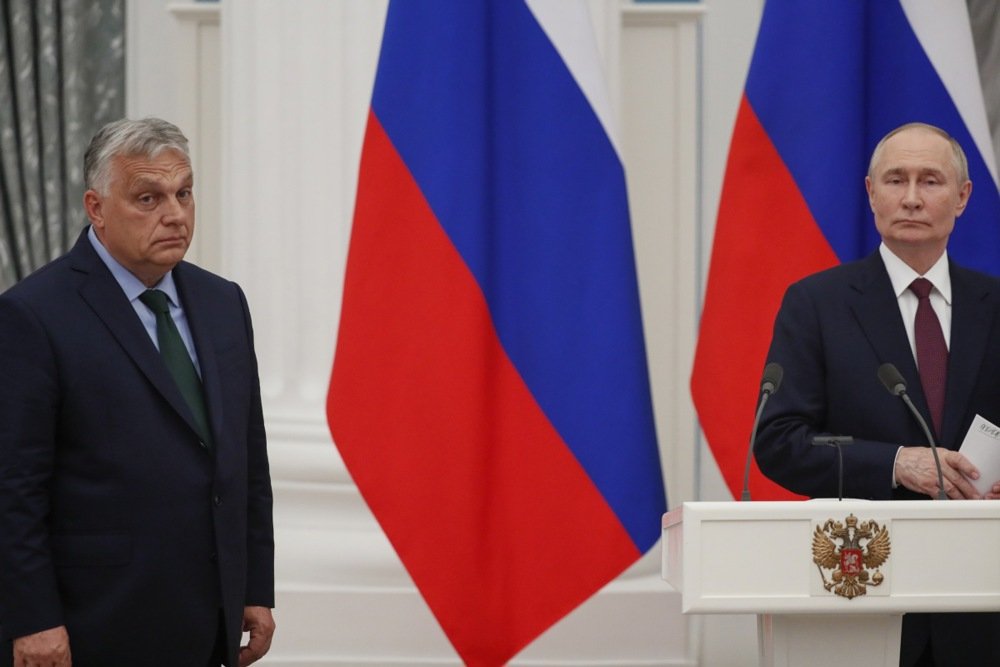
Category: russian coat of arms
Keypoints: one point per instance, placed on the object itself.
(852, 553)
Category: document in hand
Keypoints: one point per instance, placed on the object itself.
(982, 447)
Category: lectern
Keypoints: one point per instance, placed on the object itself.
(829, 580)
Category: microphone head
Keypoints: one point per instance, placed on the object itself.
(771, 379)
(892, 379)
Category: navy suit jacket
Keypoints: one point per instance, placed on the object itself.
(115, 520)
(833, 331)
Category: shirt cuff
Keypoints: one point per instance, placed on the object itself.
(894, 483)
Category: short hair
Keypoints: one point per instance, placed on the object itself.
(961, 163)
(147, 137)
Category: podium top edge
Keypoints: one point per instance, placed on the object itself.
(792, 509)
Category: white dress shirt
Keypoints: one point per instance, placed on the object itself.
(902, 275)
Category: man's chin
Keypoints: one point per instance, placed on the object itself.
(916, 236)
(168, 258)
(908, 244)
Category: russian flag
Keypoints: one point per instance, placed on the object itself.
(826, 82)
(489, 394)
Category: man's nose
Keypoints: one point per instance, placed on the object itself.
(911, 197)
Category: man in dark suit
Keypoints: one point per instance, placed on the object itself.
(135, 498)
(835, 329)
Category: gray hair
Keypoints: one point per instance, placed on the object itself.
(958, 155)
(147, 137)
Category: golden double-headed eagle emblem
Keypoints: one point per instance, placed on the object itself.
(853, 553)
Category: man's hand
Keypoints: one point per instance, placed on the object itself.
(260, 624)
(48, 648)
(993, 493)
(916, 471)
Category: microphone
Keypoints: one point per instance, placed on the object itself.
(769, 384)
(894, 383)
(836, 441)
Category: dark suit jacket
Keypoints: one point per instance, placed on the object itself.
(114, 519)
(833, 331)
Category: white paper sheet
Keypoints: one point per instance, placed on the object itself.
(982, 447)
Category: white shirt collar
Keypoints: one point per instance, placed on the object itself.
(902, 275)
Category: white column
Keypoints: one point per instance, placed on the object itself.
(296, 84)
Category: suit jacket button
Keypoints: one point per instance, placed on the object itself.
(213, 557)
(217, 500)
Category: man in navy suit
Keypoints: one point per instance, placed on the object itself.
(135, 500)
(836, 328)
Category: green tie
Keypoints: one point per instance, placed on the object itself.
(178, 361)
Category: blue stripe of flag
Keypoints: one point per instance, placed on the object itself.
(526, 184)
(827, 81)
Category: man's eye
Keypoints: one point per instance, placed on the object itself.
(146, 199)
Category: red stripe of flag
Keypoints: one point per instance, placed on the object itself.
(765, 239)
(498, 524)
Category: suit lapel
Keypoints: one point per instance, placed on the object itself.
(877, 311)
(99, 289)
(200, 317)
(970, 328)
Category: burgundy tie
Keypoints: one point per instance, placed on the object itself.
(932, 352)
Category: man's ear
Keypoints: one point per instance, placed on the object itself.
(963, 197)
(93, 205)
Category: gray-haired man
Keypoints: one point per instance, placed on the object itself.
(135, 499)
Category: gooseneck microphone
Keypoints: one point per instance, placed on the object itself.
(894, 383)
(769, 384)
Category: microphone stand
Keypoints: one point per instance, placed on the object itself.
(753, 440)
(769, 384)
(893, 381)
(836, 441)
(930, 438)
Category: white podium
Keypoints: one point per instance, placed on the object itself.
(829, 589)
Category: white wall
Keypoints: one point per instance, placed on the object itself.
(273, 94)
